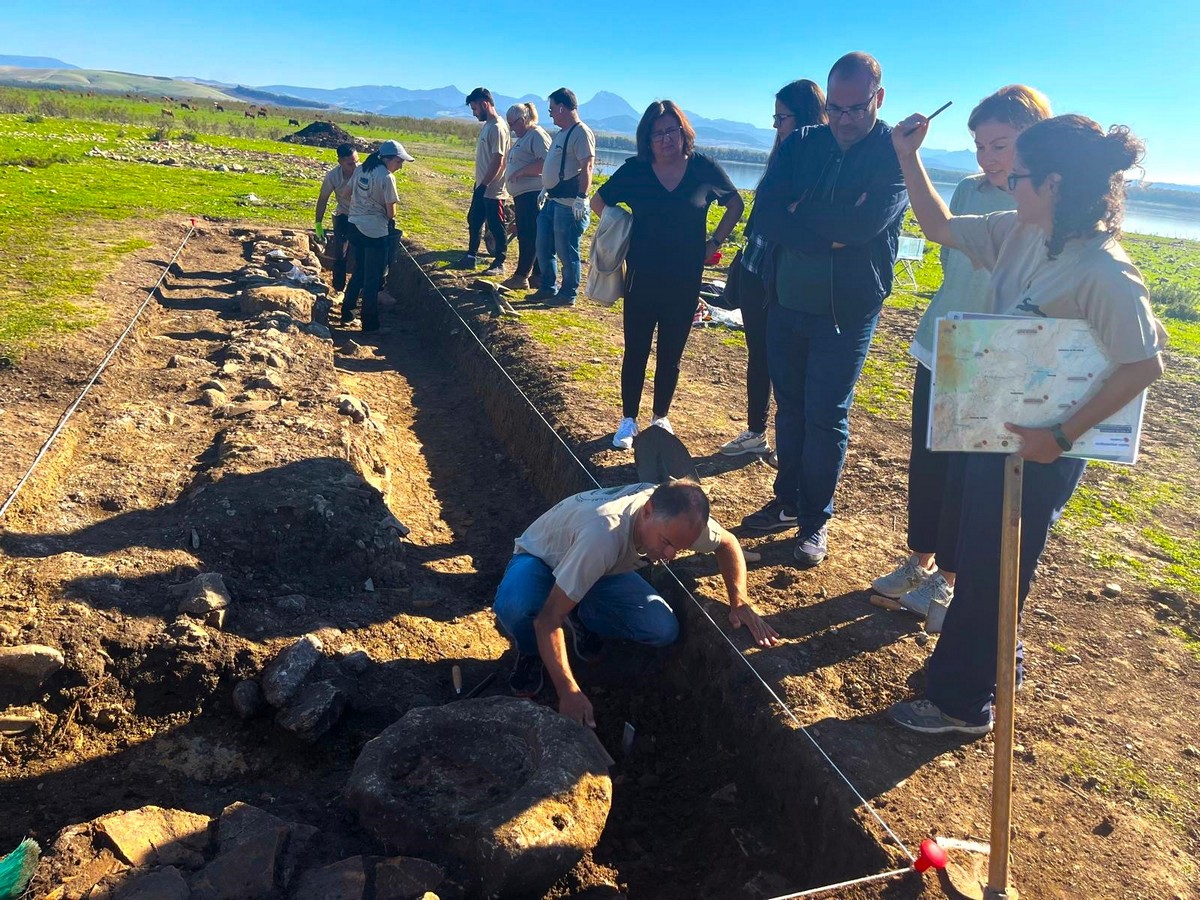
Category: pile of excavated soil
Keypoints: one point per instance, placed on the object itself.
(325, 134)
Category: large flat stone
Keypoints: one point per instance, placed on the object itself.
(33, 663)
(243, 869)
(513, 791)
(345, 880)
(295, 302)
(161, 884)
(152, 836)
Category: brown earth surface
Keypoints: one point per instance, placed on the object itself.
(147, 488)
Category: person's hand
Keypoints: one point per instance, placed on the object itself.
(580, 208)
(762, 633)
(575, 705)
(908, 135)
(1037, 444)
(320, 230)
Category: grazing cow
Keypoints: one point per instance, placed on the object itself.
(248, 114)
(167, 114)
(295, 122)
(219, 107)
(183, 105)
(262, 113)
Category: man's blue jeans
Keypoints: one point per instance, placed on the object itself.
(813, 371)
(618, 606)
(558, 235)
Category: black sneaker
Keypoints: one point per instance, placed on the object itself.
(775, 516)
(466, 261)
(588, 645)
(542, 294)
(812, 546)
(560, 301)
(526, 679)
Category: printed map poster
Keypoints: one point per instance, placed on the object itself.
(989, 370)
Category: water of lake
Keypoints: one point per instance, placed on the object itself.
(1140, 218)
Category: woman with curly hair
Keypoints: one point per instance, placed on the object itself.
(1056, 256)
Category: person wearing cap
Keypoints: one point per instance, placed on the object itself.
(372, 224)
(490, 193)
(338, 182)
(566, 176)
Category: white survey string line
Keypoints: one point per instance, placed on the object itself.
(70, 410)
(813, 892)
(862, 800)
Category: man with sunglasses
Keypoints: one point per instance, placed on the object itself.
(831, 203)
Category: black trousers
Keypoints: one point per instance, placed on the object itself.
(935, 486)
(489, 211)
(370, 261)
(663, 304)
(526, 207)
(752, 299)
(340, 251)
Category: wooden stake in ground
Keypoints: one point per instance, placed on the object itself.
(998, 887)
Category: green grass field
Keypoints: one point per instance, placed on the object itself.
(68, 216)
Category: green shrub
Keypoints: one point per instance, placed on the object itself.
(1176, 301)
(35, 119)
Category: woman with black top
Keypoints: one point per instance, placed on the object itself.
(668, 187)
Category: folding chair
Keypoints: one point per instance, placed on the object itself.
(909, 252)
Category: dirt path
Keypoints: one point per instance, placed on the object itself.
(145, 473)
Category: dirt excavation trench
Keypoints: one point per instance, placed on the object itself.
(362, 496)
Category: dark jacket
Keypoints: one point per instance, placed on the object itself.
(864, 214)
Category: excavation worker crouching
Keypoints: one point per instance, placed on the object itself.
(575, 568)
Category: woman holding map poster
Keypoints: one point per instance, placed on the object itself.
(1056, 256)
(924, 583)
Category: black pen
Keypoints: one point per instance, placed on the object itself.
(940, 109)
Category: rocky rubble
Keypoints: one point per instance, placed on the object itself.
(244, 853)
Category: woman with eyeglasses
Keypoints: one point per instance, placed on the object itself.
(797, 105)
(668, 187)
(525, 160)
(924, 582)
(1056, 256)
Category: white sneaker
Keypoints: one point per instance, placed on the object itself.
(662, 422)
(902, 579)
(626, 432)
(933, 589)
(746, 442)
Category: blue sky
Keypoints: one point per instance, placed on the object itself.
(1117, 62)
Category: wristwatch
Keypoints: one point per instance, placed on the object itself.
(1061, 439)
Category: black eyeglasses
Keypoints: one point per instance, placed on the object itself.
(1014, 178)
(856, 112)
(669, 134)
(779, 118)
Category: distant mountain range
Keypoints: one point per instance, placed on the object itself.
(34, 62)
(606, 112)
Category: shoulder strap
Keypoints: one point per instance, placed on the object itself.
(562, 164)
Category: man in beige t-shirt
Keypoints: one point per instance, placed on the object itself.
(576, 568)
(490, 194)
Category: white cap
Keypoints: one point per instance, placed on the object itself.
(395, 148)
